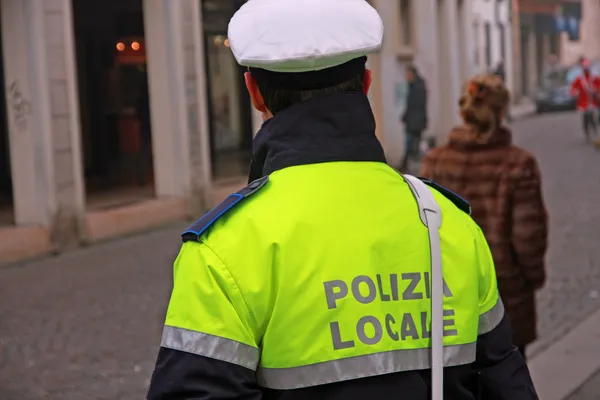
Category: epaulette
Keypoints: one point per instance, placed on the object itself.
(458, 201)
(194, 232)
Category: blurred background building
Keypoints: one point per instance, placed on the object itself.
(434, 36)
(543, 30)
(492, 35)
(120, 115)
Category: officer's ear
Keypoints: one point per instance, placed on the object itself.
(257, 99)
(367, 80)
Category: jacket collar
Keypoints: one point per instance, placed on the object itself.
(340, 127)
(465, 138)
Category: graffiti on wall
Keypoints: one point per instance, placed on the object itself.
(401, 91)
(19, 106)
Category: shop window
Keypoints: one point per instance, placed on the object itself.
(114, 102)
(230, 112)
(225, 94)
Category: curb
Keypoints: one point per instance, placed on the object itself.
(568, 364)
(522, 111)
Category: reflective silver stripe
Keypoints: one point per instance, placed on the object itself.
(211, 346)
(489, 320)
(361, 367)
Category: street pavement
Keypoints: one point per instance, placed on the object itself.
(87, 324)
(571, 179)
(590, 390)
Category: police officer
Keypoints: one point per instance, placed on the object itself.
(322, 279)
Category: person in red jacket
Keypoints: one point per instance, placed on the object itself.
(586, 87)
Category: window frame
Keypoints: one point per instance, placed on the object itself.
(487, 37)
(405, 47)
(476, 26)
(503, 41)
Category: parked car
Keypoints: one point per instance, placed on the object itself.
(553, 92)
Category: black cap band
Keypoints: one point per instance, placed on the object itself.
(310, 80)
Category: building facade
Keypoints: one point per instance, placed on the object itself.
(590, 29)
(432, 35)
(492, 32)
(536, 36)
(122, 115)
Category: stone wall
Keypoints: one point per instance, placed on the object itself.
(196, 118)
(65, 219)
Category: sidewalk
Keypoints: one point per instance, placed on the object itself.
(523, 108)
(589, 391)
(570, 368)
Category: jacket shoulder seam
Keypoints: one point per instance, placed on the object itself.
(197, 229)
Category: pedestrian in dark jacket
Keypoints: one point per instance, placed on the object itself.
(503, 184)
(415, 115)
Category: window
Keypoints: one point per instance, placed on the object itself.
(230, 116)
(554, 44)
(405, 28)
(476, 43)
(488, 44)
(502, 33)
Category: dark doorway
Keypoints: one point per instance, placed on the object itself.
(114, 103)
(229, 104)
(6, 193)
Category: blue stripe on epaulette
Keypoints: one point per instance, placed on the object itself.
(199, 227)
(458, 201)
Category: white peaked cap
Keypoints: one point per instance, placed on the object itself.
(303, 35)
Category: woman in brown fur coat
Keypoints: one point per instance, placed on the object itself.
(503, 184)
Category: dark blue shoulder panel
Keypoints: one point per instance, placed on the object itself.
(194, 232)
(458, 201)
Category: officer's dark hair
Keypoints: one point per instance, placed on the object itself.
(277, 100)
(281, 90)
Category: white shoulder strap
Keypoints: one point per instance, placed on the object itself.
(431, 216)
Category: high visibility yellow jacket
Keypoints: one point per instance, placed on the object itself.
(319, 274)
